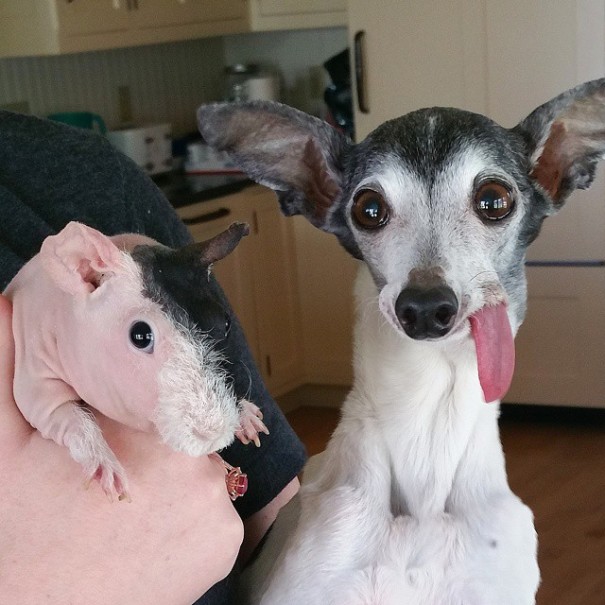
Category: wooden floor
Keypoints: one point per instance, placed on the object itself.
(556, 464)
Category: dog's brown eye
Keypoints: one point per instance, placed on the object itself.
(493, 201)
(370, 211)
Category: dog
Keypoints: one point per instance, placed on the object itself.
(410, 502)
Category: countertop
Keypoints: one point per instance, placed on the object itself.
(184, 189)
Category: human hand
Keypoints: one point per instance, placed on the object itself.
(60, 543)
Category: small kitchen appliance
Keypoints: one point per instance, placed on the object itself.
(150, 147)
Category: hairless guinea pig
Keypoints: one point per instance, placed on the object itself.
(132, 329)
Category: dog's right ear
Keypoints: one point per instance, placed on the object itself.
(295, 154)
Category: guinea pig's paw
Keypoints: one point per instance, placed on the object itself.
(111, 476)
(250, 423)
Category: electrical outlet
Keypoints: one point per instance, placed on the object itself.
(17, 106)
(124, 105)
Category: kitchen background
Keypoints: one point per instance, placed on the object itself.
(168, 81)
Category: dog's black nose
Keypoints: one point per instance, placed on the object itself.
(426, 312)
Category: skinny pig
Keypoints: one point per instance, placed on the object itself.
(130, 328)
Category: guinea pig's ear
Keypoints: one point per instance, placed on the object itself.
(565, 138)
(220, 245)
(295, 154)
(78, 256)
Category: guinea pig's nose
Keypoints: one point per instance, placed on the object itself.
(426, 312)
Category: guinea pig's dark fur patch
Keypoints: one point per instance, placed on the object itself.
(181, 284)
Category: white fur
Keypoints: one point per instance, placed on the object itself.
(75, 427)
(197, 410)
(410, 504)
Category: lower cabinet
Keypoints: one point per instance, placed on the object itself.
(259, 278)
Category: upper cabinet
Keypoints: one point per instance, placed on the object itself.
(296, 14)
(209, 17)
(50, 27)
(416, 54)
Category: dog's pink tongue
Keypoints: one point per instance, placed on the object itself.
(495, 350)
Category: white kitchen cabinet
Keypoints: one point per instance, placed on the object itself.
(259, 279)
(504, 58)
(188, 15)
(326, 274)
(417, 53)
(86, 17)
(48, 27)
(51, 27)
(296, 14)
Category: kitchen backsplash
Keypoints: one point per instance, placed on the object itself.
(167, 82)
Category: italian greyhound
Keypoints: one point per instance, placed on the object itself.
(410, 502)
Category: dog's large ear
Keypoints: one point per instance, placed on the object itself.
(295, 154)
(566, 138)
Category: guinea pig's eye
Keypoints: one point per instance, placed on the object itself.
(493, 201)
(227, 324)
(141, 336)
(369, 210)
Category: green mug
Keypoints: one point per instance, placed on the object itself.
(81, 119)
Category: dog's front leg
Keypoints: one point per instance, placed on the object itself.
(344, 517)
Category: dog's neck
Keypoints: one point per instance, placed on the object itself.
(441, 438)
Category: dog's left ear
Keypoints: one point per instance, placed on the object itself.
(566, 139)
(295, 154)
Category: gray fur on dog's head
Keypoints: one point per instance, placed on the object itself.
(426, 164)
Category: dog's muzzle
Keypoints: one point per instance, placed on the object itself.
(426, 312)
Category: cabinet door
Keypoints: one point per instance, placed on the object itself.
(275, 290)
(234, 272)
(418, 53)
(294, 7)
(293, 14)
(559, 347)
(162, 13)
(85, 17)
(326, 274)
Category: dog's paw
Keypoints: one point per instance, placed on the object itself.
(250, 423)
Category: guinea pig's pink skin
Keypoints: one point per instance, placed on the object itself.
(74, 305)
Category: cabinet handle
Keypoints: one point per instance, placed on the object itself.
(208, 217)
(565, 263)
(360, 76)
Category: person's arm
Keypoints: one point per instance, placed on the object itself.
(258, 524)
(61, 543)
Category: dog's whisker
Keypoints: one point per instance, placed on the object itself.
(483, 273)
